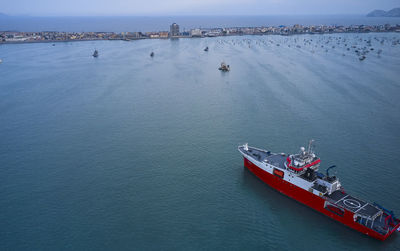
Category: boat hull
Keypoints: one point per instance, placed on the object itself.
(309, 199)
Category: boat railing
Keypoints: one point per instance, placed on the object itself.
(261, 150)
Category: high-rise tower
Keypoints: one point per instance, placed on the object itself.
(174, 30)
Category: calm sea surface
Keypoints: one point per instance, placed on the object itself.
(140, 23)
(128, 152)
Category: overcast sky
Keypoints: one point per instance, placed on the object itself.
(190, 7)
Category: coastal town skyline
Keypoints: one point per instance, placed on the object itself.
(175, 32)
(191, 7)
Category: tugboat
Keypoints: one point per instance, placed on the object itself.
(95, 53)
(152, 54)
(224, 67)
(297, 176)
(206, 49)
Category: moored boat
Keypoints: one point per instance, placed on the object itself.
(95, 53)
(224, 67)
(297, 176)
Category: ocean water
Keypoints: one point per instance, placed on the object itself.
(128, 152)
(160, 23)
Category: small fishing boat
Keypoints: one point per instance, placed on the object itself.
(224, 67)
(152, 54)
(95, 53)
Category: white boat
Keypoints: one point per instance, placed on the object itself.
(224, 67)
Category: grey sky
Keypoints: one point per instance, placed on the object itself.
(190, 7)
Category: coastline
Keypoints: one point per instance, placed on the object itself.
(16, 37)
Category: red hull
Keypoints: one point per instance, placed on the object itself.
(309, 199)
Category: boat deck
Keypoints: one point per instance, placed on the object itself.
(277, 160)
(354, 205)
(274, 159)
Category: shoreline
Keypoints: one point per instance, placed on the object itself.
(185, 37)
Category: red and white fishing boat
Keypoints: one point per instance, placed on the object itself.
(297, 176)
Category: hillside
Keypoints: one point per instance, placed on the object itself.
(395, 12)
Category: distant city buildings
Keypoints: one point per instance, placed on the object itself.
(133, 35)
(163, 34)
(174, 30)
(54, 36)
(196, 33)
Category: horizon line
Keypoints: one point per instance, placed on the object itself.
(182, 15)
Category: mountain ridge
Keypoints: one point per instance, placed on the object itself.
(395, 12)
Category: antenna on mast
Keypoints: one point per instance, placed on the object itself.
(310, 146)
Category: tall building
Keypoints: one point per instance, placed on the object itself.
(174, 30)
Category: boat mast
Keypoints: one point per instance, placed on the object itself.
(309, 150)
